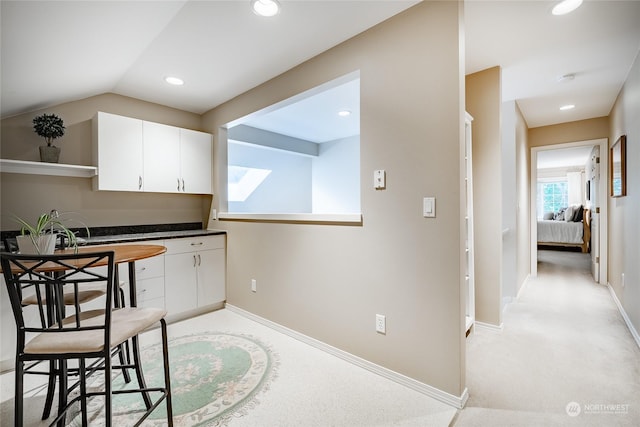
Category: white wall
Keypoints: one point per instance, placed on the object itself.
(286, 189)
(336, 177)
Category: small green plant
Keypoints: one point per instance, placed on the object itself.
(50, 223)
(48, 126)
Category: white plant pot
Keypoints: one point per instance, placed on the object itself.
(45, 244)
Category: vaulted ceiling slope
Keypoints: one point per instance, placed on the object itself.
(55, 51)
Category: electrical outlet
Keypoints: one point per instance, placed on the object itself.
(381, 324)
(254, 285)
(623, 280)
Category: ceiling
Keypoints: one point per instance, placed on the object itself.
(54, 52)
(564, 157)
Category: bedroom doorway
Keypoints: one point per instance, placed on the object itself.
(592, 185)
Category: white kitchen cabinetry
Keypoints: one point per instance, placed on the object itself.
(117, 152)
(194, 273)
(137, 155)
(196, 151)
(176, 160)
(161, 157)
(149, 279)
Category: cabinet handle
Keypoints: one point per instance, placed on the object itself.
(196, 243)
(141, 269)
(199, 260)
(194, 260)
(182, 184)
(178, 184)
(139, 182)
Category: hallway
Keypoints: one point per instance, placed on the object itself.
(564, 357)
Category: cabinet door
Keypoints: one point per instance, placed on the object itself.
(180, 282)
(211, 277)
(195, 160)
(161, 158)
(117, 151)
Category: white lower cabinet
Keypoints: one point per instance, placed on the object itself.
(194, 273)
(150, 281)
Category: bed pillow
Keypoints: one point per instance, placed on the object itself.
(559, 216)
(578, 214)
(548, 215)
(568, 214)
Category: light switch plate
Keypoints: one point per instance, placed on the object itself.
(379, 179)
(429, 207)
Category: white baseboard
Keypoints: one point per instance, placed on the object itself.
(457, 402)
(489, 326)
(630, 326)
(522, 286)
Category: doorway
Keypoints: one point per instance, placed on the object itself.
(597, 177)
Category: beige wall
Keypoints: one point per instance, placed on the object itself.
(624, 227)
(28, 195)
(327, 281)
(523, 210)
(582, 130)
(483, 102)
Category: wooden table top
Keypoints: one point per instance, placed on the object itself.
(122, 253)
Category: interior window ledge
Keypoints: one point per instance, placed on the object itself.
(306, 218)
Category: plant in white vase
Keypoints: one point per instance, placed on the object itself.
(41, 236)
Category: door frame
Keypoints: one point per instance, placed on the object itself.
(602, 190)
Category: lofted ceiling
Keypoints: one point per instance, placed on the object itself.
(54, 51)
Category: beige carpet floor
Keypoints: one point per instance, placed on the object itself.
(564, 357)
(312, 388)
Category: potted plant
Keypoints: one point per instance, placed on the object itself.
(50, 127)
(41, 237)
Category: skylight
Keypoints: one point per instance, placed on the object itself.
(244, 181)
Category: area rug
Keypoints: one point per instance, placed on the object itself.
(214, 378)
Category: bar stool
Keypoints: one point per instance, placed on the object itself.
(82, 336)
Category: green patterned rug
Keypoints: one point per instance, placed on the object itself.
(214, 377)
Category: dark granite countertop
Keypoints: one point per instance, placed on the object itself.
(126, 234)
(138, 237)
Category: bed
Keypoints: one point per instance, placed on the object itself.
(575, 232)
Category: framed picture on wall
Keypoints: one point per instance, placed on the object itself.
(587, 191)
(618, 167)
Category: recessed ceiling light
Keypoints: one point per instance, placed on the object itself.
(567, 107)
(265, 7)
(174, 81)
(344, 113)
(566, 6)
(566, 78)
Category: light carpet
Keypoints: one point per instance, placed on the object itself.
(312, 388)
(564, 357)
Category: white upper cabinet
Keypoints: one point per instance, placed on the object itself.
(196, 151)
(117, 152)
(161, 157)
(137, 155)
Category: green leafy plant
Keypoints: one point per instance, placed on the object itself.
(48, 126)
(50, 223)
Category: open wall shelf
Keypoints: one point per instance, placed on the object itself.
(41, 168)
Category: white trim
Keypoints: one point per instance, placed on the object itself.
(524, 283)
(603, 143)
(489, 326)
(442, 396)
(632, 329)
(354, 218)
